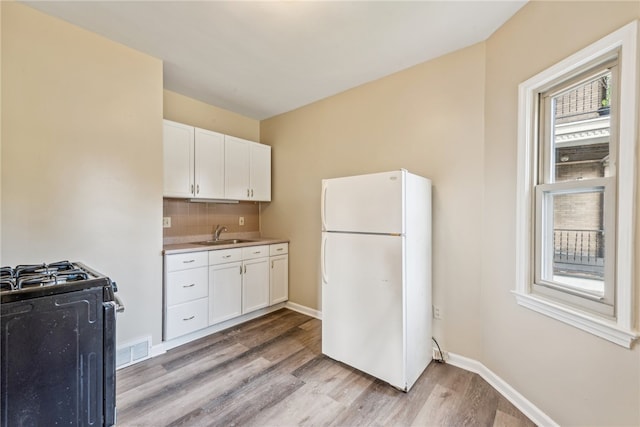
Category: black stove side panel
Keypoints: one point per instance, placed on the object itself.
(52, 360)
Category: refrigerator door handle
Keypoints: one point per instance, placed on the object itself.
(322, 206)
(323, 270)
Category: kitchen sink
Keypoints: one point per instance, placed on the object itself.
(222, 242)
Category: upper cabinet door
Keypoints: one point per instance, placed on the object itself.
(209, 164)
(178, 153)
(260, 173)
(236, 172)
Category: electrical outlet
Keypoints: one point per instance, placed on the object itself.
(437, 312)
(241, 220)
(437, 355)
(166, 222)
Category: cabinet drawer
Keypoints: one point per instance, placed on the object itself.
(187, 260)
(225, 255)
(188, 317)
(279, 249)
(255, 252)
(186, 285)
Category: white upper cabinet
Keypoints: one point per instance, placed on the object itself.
(236, 174)
(260, 172)
(208, 165)
(178, 153)
(247, 170)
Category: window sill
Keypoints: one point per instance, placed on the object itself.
(602, 328)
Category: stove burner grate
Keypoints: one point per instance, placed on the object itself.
(33, 275)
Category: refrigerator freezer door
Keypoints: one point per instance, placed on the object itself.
(364, 204)
(362, 304)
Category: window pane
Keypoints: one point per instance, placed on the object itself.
(581, 129)
(577, 261)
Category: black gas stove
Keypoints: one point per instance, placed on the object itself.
(57, 353)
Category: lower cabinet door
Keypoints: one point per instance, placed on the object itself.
(279, 279)
(225, 292)
(187, 317)
(255, 284)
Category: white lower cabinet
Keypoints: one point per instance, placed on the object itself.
(279, 273)
(255, 284)
(255, 278)
(209, 287)
(225, 285)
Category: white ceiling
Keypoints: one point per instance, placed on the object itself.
(263, 58)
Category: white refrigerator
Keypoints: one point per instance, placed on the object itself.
(376, 274)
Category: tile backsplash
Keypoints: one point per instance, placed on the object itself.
(192, 221)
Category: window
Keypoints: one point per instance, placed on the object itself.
(576, 189)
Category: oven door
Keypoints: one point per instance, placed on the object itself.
(51, 356)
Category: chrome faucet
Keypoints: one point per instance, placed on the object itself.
(219, 229)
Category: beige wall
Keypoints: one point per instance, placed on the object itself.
(427, 119)
(575, 377)
(72, 98)
(183, 109)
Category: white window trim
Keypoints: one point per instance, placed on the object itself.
(620, 330)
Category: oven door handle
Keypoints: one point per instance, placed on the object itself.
(109, 359)
(119, 304)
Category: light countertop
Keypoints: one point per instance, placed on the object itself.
(177, 248)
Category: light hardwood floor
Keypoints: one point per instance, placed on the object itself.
(270, 372)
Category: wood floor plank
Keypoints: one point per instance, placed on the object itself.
(253, 395)
(506, 407)
(502, 419)
(270, 372)
(437, 409)
(183, 375)
(480, 404)
(370, 408)
(305, 407)
(406, 408)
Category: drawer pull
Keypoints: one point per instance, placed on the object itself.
(279, 249)
(189, 286)
(257, 252)
(226, 256)
(188, 261)
(189, 318)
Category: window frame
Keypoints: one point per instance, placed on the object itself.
(620, 327)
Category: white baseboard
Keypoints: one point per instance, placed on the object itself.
(519, 401)
(304, 310)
